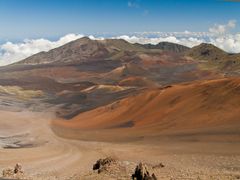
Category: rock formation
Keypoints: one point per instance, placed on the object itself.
(102, 164)
(142, 172)
(16, 172)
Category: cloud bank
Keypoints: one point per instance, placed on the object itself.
(13, 52)
(218, 35)
(220, 29)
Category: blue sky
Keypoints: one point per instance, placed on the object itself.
(20, 19)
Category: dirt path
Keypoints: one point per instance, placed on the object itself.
(26, 138)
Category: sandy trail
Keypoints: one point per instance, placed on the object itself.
(41, 152)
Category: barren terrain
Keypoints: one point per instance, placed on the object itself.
(173, 108)
(46, 156)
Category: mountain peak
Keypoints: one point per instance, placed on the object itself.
(82, 50)
(206, 51)
(208, 46)
(82, 40)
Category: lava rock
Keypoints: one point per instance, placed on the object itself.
(142, 173)
(102, 164)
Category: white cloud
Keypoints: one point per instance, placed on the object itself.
(13, 52)
(146, 40)
(189, 41)
(218, 36)
(229, 43)
(220, 29)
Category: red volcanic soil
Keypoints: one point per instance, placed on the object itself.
(211, 106)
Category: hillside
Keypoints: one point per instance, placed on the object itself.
(207, 52)
(199, 107)
(82, 50)
(85, 50)
(215, 57)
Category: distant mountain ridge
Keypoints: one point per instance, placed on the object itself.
(87, 50)
(167, 46)
(214, 56)
(208, 51)
(82, 50)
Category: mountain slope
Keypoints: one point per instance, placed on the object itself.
(203, 105)
(207, 52)
(215, 57)
(85, 50)
(82, 50)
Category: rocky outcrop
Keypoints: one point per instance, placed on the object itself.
(110, 168)
(16, 172)
(102, 164)
(143, 172)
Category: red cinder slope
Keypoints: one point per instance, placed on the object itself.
(197, 105)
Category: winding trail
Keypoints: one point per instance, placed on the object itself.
(48, 156)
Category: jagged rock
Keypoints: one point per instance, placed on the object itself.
(102, 164)
(16, 172)
(142, 173)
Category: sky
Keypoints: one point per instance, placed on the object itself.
(30, 26)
